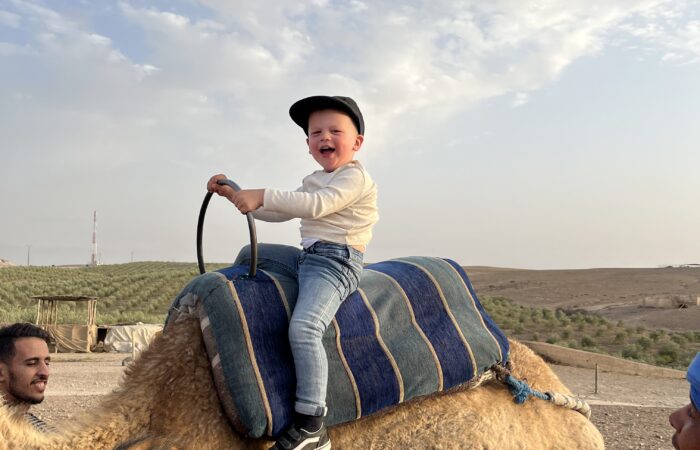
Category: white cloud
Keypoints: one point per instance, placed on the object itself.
(9, 19)
(357, 5)
(445, 55)
(441, 57)
(671, 30)
(520, 99)
(155, 20)
(146, 70)
(246, 57)
(8, 49)
(51, 19)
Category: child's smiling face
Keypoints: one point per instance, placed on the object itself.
(333, 139)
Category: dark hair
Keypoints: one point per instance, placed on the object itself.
(10, 333)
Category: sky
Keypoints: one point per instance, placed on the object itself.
(538, 135)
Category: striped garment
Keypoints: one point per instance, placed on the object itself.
(39, 424)
(414, 327)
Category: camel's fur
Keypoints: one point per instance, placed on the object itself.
(167, 400)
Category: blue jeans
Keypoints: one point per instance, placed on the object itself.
(327, 273)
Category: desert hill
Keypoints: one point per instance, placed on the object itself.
(616, 294)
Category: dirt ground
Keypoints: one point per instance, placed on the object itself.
(630, 411)
(616, 294)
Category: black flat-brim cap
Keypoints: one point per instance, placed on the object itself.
(301, 110)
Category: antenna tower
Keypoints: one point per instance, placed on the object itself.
(93, 260)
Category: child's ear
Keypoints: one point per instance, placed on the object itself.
(359, 139)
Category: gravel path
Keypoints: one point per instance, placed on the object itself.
(631, 412)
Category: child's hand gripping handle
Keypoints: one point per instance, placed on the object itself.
(251, 229)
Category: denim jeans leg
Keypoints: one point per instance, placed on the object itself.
(327, 275)
(282, 259)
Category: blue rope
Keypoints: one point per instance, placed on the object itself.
(521, 390)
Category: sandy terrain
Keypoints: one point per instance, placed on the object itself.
(615, 294)
(631, 412)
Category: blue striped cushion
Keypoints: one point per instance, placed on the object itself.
(414, 327)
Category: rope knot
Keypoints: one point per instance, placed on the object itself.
(521, 390)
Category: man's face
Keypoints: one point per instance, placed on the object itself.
(24, 378)
(686, 421)
(333, 139)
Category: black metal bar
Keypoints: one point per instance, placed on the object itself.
(251, 232)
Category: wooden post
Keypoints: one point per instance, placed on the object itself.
(596, 379)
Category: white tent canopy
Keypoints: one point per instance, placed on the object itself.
(120, 337)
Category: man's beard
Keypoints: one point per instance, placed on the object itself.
(20, 397)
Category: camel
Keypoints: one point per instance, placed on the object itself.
(167, 400)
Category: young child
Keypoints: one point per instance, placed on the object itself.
(338, 208)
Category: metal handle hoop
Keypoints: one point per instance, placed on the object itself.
(251, 230)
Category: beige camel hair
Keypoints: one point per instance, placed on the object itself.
(167, 400)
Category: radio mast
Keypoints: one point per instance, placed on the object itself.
(93, 260)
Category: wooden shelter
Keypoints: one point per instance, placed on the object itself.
(68, 337)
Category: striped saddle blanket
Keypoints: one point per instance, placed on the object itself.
(414, 327)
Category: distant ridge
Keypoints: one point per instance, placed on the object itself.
(5, 263)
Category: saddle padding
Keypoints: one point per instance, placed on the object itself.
(414, 327)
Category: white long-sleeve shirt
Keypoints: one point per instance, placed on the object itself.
(340, 206)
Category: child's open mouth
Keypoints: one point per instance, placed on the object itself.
(326, 150)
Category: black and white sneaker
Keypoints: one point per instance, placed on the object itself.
(297, 438)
